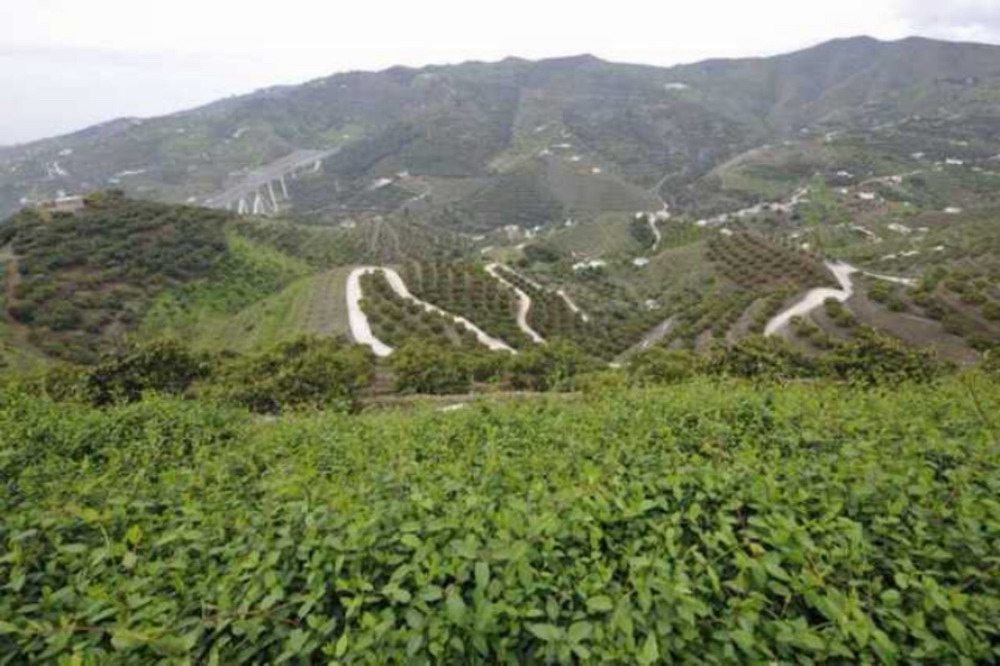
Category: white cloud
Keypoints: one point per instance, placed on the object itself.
(974, 20)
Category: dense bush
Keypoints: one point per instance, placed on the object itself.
(874, 358)
(551, 367)
(423, 367)
(759, 358)
(307, 372)
(713, 523)
(663, 366)
(164, 366)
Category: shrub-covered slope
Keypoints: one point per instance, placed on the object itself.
(711, 524)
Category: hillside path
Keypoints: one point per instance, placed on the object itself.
(523, 304)
(361, 327)
(814, 298)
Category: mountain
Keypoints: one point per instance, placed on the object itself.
(453, 141)
(632, 206)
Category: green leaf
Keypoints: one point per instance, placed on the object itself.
(411, 541)
(956, 629)
(546, 632)
(134, 534)
(342, 644)
(580, 631)
(455, 607)
(431, 593)
(482, 575)
(123, 639)
(650, 652)
(600, 604)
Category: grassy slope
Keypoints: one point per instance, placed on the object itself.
(251, 273)
(311, 305)
(608, 234)
(702, 522)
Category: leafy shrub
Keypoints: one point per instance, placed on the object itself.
(874, 358)
(423, 367)
(991, 310)
(839, 314)
(541, 253)
(307, 372)
(758, 357)
(551, 367)
(662, 366)
(714, 523)
(165, 366)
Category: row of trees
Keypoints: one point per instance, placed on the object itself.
(330, 374)
(467, 290)
(754, 262)
(396, 320)
(308, 372)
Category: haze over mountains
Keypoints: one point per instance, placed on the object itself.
(480, 129)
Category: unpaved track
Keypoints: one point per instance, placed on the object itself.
(814, 298)
(361, 328)
(523, 304)
(572, 305)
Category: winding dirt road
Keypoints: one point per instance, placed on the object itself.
(523, 304)
(814, 298)
(361, 328)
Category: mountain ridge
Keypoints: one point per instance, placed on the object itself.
(643, 125)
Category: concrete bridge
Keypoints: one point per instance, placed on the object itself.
(264, 190)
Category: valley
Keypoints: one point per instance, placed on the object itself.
(556, 361)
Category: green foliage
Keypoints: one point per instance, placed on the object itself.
(467, 290)
(759, 358)
(423, 367)
(551, 367)
(541, 252)
(640, 230)
(318, 373)
(164, 366)
(663, 366)
(874, 358)
(707, 523)
(83, 277)
(397, 321)
(755, 262)
(839, 314)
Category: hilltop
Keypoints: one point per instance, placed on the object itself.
(532, 137)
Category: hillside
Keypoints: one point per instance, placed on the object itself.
(676, 207)
(476, 135)
(76, 285)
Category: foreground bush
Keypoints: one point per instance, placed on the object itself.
(307, 372)
(715, 522)
(873, 358)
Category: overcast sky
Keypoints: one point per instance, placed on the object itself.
(67, 64)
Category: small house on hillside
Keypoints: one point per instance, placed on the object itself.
(63, 204)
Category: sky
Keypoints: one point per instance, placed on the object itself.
(68, 64)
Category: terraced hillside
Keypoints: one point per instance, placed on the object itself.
(76, 285)
(540, 140)
(466, 289)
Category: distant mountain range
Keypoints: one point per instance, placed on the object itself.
(480, 145)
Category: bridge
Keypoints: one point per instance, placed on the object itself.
(264, 190)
